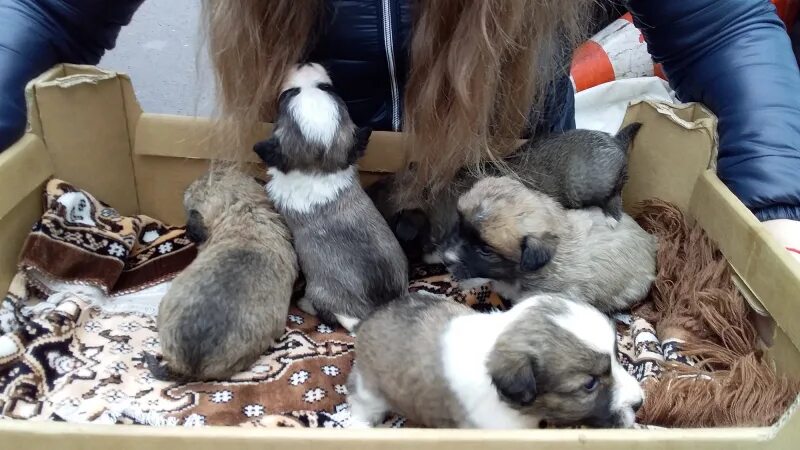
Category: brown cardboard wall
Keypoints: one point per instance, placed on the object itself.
(161, 182)
(89, 145)
(14, 228)
(673, 147)
(23, 170)
(767, 269)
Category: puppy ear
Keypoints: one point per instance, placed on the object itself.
(195, 228)
(515, 380)
(613, 207)
(269, 152)
(361, 139)
(537, 251)
(288, 94)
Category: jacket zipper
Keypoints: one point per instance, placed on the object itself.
(388, 39)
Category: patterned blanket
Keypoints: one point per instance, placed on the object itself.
(82, 312)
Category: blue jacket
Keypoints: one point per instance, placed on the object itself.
(732, 55)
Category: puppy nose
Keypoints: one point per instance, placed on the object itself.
(637, 406)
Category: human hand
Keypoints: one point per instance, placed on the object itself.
(787, 234)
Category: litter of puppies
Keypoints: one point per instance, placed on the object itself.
(552, 238)
(545, 229)
(512, 233)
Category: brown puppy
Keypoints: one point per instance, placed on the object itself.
(441, 364)
(231, 303)
(527, 243)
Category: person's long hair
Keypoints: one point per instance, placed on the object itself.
(478, 69)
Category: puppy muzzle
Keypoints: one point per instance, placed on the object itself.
(624, 418)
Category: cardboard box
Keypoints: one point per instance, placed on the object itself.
(86, 127)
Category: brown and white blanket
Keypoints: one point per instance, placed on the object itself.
(82, 312)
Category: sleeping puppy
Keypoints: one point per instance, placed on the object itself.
(351, 260)
(579, 168)
(228, 306)
(546, 361)
(526, 243)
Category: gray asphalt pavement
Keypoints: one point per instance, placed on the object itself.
(160, 51)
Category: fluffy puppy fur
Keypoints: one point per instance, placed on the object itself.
(229, 305)
(546, 361)
(350, 258)
(526, 243)
(411, 227)
(579, 168)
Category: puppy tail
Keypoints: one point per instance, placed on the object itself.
(159, 369)
(628, 134)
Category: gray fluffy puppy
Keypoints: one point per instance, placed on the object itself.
(547, 360)
(350, 258)
(579, 168)
(229, 305)
(526, 243)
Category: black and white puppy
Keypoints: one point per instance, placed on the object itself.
(546, 361)
(526, 243)
(579, 168)
(351, 260)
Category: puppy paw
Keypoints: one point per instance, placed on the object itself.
(349, 323)
(357, 423)
(433, 258)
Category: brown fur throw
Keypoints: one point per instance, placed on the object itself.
(695, 303)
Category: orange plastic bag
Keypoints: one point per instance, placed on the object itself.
(619, 51)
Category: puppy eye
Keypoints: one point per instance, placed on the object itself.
(327, 87)
(592, 384)
(485, 251)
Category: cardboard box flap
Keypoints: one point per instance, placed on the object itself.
(674, 147)
(80, 114)
(72, 77)
(691, 116)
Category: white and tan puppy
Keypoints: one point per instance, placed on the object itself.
(350, 258)
(526, 243)
(546, 361)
